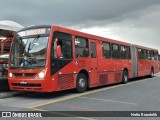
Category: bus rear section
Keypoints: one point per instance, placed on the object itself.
(147, 61)
(144, 61)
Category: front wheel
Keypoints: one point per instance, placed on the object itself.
(125, 77)
(81, 83)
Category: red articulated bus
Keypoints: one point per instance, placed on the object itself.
(53, 58)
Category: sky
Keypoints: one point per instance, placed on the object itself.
(133, 21)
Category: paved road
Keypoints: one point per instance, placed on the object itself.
(138, 95)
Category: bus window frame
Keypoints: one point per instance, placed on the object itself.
(87, 46)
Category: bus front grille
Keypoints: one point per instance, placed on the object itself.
(24, 74)
(26, 85)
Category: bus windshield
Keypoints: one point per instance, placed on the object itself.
(28, 52)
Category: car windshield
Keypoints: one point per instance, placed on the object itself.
(28, 52)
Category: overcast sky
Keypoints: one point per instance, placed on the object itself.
(134, 21)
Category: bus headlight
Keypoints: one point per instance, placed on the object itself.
(41, 74)
(10, 75)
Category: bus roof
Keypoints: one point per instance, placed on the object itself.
(90, 36)
(147, 48)
(100, 38)
(34, 27)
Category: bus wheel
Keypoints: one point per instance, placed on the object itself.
(81, 83)
(152, 73)
(125, 77)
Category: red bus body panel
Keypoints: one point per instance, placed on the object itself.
(100, 71)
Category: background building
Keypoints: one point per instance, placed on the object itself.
(7, 30)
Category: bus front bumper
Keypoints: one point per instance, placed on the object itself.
(31, 85)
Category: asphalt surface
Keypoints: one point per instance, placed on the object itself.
(138, 95)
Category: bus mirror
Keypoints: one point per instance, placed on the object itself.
(58, 51)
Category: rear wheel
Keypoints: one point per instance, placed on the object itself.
(152, 73)
(81, 83)
(125, 77)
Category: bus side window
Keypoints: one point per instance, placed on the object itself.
(115, 51)
(128, 53)
(156, 56)
(65, 41)
(144, 54)
(140, 55)
(123, 52)
(149, 55)
(152, 55)
(106, 50)
(81, 46)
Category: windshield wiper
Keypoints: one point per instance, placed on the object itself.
(31, 44)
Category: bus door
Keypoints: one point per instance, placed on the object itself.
(94, 66)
